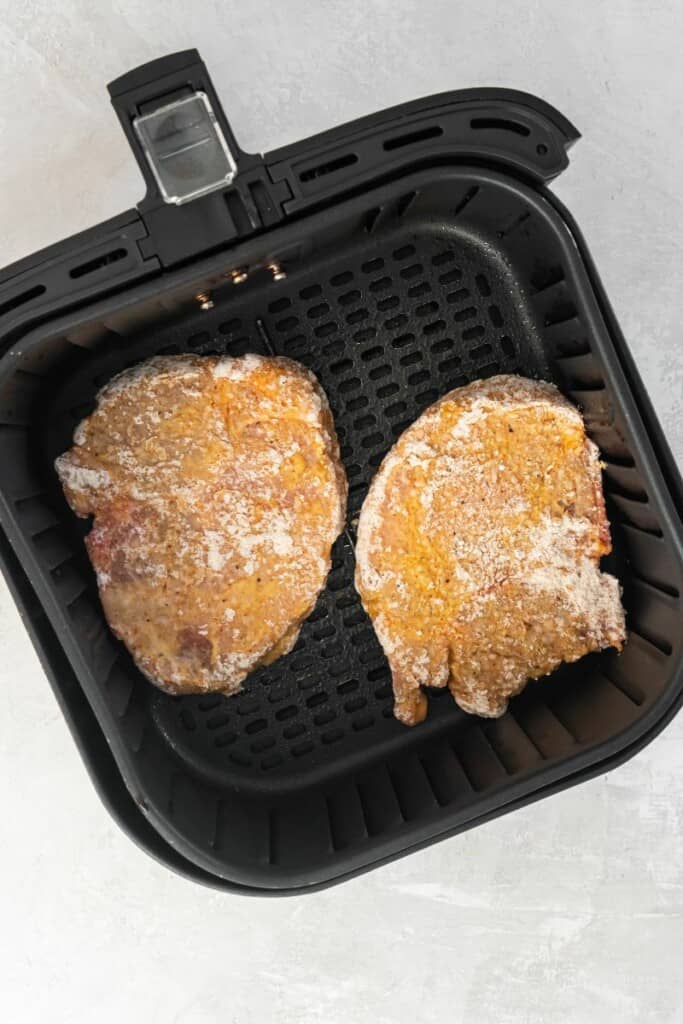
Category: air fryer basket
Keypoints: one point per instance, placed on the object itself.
(396, 291)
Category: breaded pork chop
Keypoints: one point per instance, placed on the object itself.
(479, 545)
(217, 493)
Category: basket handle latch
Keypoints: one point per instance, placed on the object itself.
(203, 190)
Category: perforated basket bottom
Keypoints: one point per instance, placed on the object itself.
(387, 328)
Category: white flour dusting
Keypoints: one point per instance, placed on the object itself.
(237, 369)
(448, 540)
(215, 506)
(215, 555)
(81, 478)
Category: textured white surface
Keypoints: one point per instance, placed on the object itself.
(570, 910)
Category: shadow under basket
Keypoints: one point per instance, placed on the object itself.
(392, 297)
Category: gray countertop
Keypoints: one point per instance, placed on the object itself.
(570, 910)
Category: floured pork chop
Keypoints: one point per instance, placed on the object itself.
(479, 545)
(217, 493)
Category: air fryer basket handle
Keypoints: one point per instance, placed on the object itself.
(513, 130)
(153, 86)
(236, 197)
(499, 127)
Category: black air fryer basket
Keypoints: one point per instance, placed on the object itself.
(398, 257)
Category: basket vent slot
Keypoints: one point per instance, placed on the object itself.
(21, 299)
(499, 124)
(107, 258)
(329, 167)
(411, 138)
